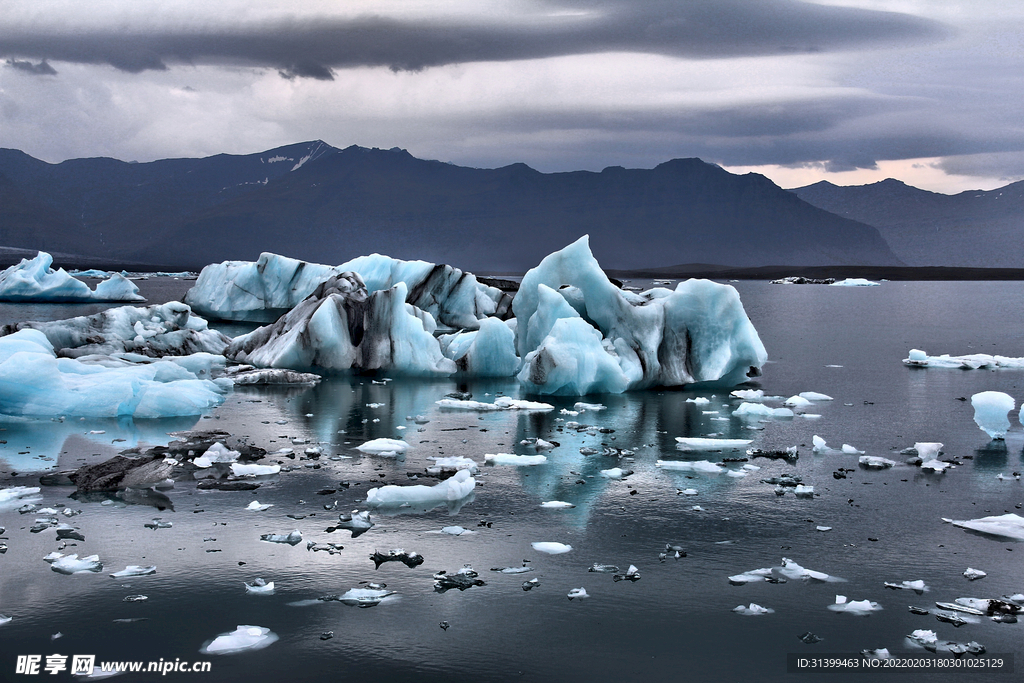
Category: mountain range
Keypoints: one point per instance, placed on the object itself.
(317, 202)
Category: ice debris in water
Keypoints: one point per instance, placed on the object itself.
(614, 473)
(5, 619)
(258, 506)
(259, 587)
(294, 538)
(850, 450)
(854, 282)
(814, 396)
(917, 586)
(929, 641)
(856, 607)
(1004, 526)
(70, 564)
(796, 402)
(452, 464)
(820, 446)
(578, 594)
(531, 583)
(603, 568)
(514, 570)
(973, 361)
(512, 459)
(14, 494)
(556, 505)
(877, 653)
(753, 610)
(253, 470)
(455, 488)
(699, 400)
(691, 466)
(409, 559)
(809, 638)
(990, 412)
(685, 443)
(593, 407)
(802, 491)
(875, 462)
(500, 403)
(370, 596)
(355, 521)
(760, 410)
(242, 639)
(158, 523)
(972, 574)
(748, 394)
(632, 574)
(464, 578)
(551, 547)
(134, 570)
(34, 280)
(384, 447)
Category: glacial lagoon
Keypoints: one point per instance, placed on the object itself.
(675, 622)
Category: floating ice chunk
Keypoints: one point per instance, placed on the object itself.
(687, 492)
(5, 619)
(581, 406)
(134, 570)
(294, 538)
(823, 528)
(218, 452)
(556, 505)
(990, 412)
(578, 594)
(632, 574)
(928, 450)
(854, 282)
(686, 443)
(512, 459)
(455, 531)
(455, 488)
(736, 474)
(408, 558)
(273, 376)
(34, 280)
(759, 410)
(850, 450)
(972, 574)
(856, 607)
(820, 446)
(462, 404)
(614, 473)
(70, 564)
(748, 394)
(753, 610)
(752, 576)
(13, 496)
(923, 638)
(875, 462)
(258, 507)
(550, 547)
(242, 639)
(452, 463)
(691, 466)
(383, 446)
(252, 470)
(1005, 526)
(463, 579)
(158, 523)
(513, 570)
(792, 570)
(936, 466)
(814, 396)
(802, 491)
(259, 587)
(364, 597)
(918, 586)
(796, 402)
(878, 653)
(700, 400)
(972, 361)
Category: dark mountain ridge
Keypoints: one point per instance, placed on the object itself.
(316, 202)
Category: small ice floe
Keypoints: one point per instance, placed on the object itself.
(809, 638)
(632, 574)
(68, 532)
(875, 462)
(802, 491)
(134, 570)
(578, 594)
(918, 586)
(814, 396)
(556, 505)
(355, 521)
(930, 641)
(1003, 610)
(70, 564)
(218, 452)
(1004, 526)
(856, 607)
(696, 508)
(687, 443)
(603, 568)
(258, 506)
(702, 466)
(699, 400)
(752, 576)
(453, 489)
(259, 587)
(757, 411)
(330, 548)
(752, 610)
(820, 446)
(514, 570)
(242, 639)
(452, 464)
(463, 579)
(990, 412)
(500, 403)
(512, 459)
(1003, 477)
(748, 394)
(253, 470)
(551, 547)
(878, 653)
(792, 570)
(530, 584)
(538, 444)
(854, 282)
(687, 492)
(936, 466)
(823, 528)
(796, 402)
(158, 523)
(789, 454)
(409, 559)
(675, 551)
(294, 538)
(9, 496)
(384, 447)
(971, 361)
(850, 450)
(361, 597)
(615, 473)
(5, 619)
(454, 530)
(972, 574)
(581, 406)
(135, 598)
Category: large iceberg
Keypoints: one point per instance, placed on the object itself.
(489, 351)
(341, 326)
(161, 330)
(273, 285)
(990, 412)
(697, 333)
(35, 280)
(35, 383)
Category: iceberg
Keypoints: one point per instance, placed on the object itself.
(453, 489)
(217, 452)
(874, 462)
(70, 564)
(489, 351)
(686, 443)
(972, 574)
(134, 570)
(578, 594)
(856, 607)
(253, 470)
(35, 383)
(167, 329)
(383, 446)
(990, 412)
(340, 326)
(512, 459)
(758, 410)
(972, 361)
(551, 547)
(1004, 526)
(697, 333)
(364, 597)
(814, 396)
(259, 587)
(242, 639)
(854, 282)
(451, 464)
(35, 280)
(264, 290)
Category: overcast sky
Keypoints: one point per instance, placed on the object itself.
(852, 91)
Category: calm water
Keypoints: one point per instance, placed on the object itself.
(675, 623)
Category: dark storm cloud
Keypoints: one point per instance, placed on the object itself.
(312, 48)
(40, 69)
